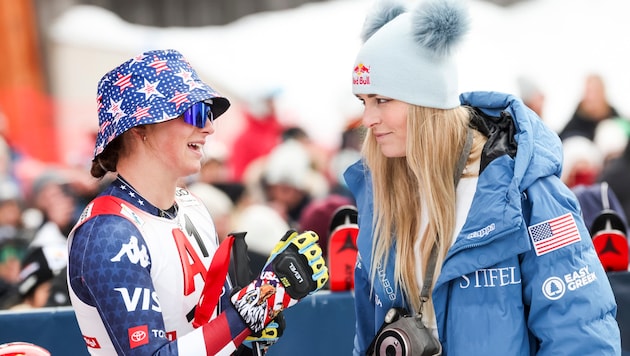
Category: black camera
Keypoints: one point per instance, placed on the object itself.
(404, 335)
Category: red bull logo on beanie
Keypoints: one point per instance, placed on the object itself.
(361, 75)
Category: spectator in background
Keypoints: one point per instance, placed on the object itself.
(261, 133)
(278, 186)
(607, 223)
(215, 171)
(12, 225)
(214, 168)
(53, 196)
(60, 206)
(318, 156)
(12, 252)
(276, 192)
(262, 223)
(219, 205)
(290, 181)
(532, 95)
(616, 173)
(349, 152)
(591, 110)
(14, 239)
(10, 159)
(582, 161)
(317, 216)
(39, 268)
(595, 198)
(611, 137)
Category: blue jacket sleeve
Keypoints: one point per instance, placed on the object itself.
(572, 306)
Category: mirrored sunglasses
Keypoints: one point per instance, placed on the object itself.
(197, 114)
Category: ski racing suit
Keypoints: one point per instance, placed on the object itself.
(135, 278)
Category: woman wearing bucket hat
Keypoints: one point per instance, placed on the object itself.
(464, 223)
(146, 272)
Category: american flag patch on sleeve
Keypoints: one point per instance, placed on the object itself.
(553, 234)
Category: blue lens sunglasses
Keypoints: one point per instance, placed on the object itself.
(198, 113)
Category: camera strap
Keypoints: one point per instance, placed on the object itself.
(459, 170)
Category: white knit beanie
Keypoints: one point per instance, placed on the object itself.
(407, 56)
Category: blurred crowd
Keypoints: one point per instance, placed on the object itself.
(36, 215)
(596, 165)
(271, 178)
(595, 144)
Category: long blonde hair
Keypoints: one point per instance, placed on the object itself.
(435, 140)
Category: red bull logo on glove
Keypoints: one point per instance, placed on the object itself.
(361, 75)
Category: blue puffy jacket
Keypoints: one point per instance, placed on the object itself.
(499, 291)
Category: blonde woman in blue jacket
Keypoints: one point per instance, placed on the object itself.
(516, 272)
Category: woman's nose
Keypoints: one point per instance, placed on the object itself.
(209, 127)
(370, 118)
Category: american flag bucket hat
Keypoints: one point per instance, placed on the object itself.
(152, 87)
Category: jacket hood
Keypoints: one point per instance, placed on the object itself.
(539, 152)
(520, 151)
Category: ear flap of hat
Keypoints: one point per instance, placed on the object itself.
(380, 14)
